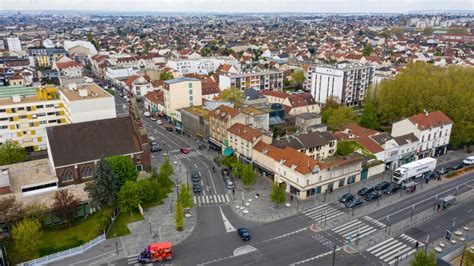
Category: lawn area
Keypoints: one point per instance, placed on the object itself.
(120, 225)
(347, 147)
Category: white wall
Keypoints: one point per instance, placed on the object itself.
(91, 109)
(224, 82)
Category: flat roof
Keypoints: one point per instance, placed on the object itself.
(247, 74)
(252, 111)
(9, 91)
(93, 92)
(25, 99)
(198, 110)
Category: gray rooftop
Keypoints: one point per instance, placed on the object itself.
(180, 79)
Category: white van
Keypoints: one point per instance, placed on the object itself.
(469, 160)
(146, 114)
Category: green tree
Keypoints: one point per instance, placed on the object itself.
(332, 102)
(229, 161)
(327, 114)
(148, 190)
(166, 169)
(428, 31)
(123, 168)
(90, 38)
(248, 176)
(166, 75)
(468, 257)
(179, 217)
(206, 51)
(103, 191)
(65, 205)
(232, 94)
(237, 168)
(27, 235)
(423, 259)
(369, 117)
(129, 197)
(341, 117)
(10, 210)
(185, 196)
(297, 76)
(277, 195)
(11, 153)
(367, 49)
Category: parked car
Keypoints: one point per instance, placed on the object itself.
(155, 147)
(152, 118)
(197, 188)
(244, 233)
(431, 175)
(372, 195)
(346, 197)
(225, 171)
(457, 166)
(391, 189)
(469, 160)
(196, 177)
(229, 184)
(159, 122)
(169, 128)
(382, 185)
(364, 191)
(354, 203)
(183, 150)
(146, 114)
(443, 170)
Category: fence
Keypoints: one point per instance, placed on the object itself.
(64, 254)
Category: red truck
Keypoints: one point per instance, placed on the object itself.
(156, 252)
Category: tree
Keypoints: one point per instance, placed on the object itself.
(341, 117)
(27, 235)
(232, 94)
(90, 38)
(369, 117)
(248, 176)
(179, 217)
(129, 197)
(123, 168)
(166, 75)
(428, 31)
(327, 114)
(277, 195)
(423, 259)
(468, 258)
(297, 76)
(103, 191)
(65, 205)
(148, 190)
(10, 210)
(332, 102)
(367, 49)
(166, 169)
(206, 51)
(185, 196)
(11, 153)
(237, 168)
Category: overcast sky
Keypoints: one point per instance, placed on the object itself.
(240, 5)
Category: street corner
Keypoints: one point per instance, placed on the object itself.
(314, 228)
(349, 249)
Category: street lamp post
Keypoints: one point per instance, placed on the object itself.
(116, 244)
(412, 210)
(333, 255)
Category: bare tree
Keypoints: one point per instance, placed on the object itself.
(65, 204)
(10, 210)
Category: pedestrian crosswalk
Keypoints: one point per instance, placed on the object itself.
(358, 228)
(211, 199)
(190, 154)
(392, 250)
(322, 212)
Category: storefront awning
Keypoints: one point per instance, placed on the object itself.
(228, 151)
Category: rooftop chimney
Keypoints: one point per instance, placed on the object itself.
(83, 92)
(16, 98)
(72, 86)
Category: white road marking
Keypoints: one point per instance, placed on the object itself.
(228, 226)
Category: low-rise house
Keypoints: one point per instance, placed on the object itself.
(220, 120)
(70, 69)
(317, 145)
(138, 85)
(309, 122)
(154, 102)
(242, 139)
(294, 104)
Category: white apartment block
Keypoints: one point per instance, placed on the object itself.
(180, 93)
(14, 44)
(347, 81)
(265, 80)
(201, 65)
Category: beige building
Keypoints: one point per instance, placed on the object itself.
(317, 145)
(242, 138)
(180, 93)
(220, 120)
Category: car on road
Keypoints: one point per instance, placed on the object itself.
(197, 188)
(391, 189)
(443, 170)
(457, 166)
(244, 233)
(346, 197)
(152, 118)
(183, 150)
(364, 191)
(229, 184)
(354, 203)
(372, 195)
(169, 128)
(431, 175)
(155, 147)
(469, 160)
(159, 122)
(196, 177)
(146, 114)
(382, 185)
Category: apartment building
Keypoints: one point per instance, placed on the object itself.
(14, 44)
(242, 139)
(317, 145)
(348, 82)
(432, 130)
(45, 57)
(180, 93)
(220, 120)
(294, 104)
(70, 69)
(265, 80)
(202, 65)
(25, 112)
(138, 85)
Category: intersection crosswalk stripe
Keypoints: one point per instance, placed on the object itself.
(345, 226)
(394, 248)
(379, 245)
(398, 254)
(322, 212)
(370, 219)
(190, 154)
(206, 199)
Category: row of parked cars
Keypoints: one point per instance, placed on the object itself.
(229, 184)
(368, 193)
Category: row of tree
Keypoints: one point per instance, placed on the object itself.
(243, 171)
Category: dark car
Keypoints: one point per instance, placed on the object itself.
(443, 170)
(168, 128)
(382, 185)
(431, 175)
(244, 233)
(155, 148)
(457, 166)
(354, 203)
(197, 187)
(391, 189)
(225, 171)
(364, 191)
(196, 177)
(346, 197)
(372, 195)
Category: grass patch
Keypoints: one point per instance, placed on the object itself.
(347, 147)
(460, 171)
(120, 225)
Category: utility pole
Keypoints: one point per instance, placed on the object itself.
(334, 255)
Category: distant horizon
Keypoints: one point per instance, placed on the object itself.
(241, 6)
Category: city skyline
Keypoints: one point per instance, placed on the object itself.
(245, 6)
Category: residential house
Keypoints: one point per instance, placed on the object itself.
(220, 120)
(242, 139)
(317, 145)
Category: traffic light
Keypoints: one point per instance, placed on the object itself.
(448, 235)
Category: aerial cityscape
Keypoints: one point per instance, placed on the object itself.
(215, 132)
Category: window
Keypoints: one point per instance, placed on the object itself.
(351, 179)
(28, 108)
(39, 106)
(21, 108)
(86, 172)
(190, 85)
(2, 110)
(66, 175)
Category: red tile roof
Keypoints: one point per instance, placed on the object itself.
(274, 94)
(245, 132)
(155, 97)
(300, 100)
(359, 131)
(434, 119)
(223, 111)
(70, 64)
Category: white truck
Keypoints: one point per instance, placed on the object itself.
(412, 170)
